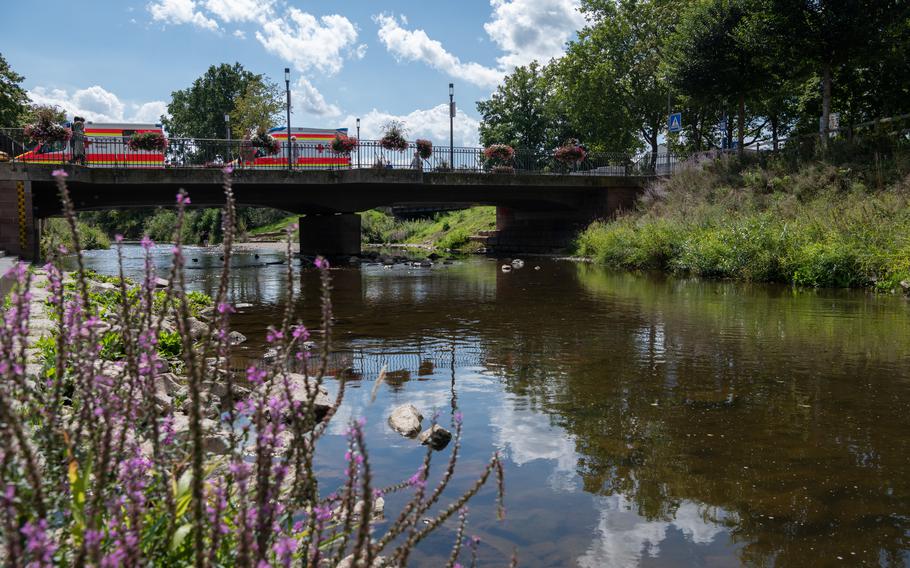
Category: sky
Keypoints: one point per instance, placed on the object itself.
(120, 60)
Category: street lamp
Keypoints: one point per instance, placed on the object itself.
(287, 90)
(452, 125)
(358, 143)
(227, 128)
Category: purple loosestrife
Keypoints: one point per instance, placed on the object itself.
(105, 466)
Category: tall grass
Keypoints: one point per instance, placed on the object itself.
(819, 226)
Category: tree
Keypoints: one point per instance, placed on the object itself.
(13, 98)
(198, 111)
(259, 107)
(714, 55)
(831, 38)
(520, 112)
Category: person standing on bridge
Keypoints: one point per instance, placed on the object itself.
(78, 140)
(417, 162)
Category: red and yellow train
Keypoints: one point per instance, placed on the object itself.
(108, 145)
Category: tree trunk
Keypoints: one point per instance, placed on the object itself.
(774, 129)
(741, 136)
(654, 150)
(826, 105)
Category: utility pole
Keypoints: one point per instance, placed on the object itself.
(452, 126)
(287, 90)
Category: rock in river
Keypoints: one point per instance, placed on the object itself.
(436, 437)
(406, 420)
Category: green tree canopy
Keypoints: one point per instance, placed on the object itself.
(521, 111)
(198, 111)
(13, 98)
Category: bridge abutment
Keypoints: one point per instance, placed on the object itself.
(538, 231)
(18, 229)
(330, 235)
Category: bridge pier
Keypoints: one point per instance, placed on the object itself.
(18, 230)
(330, 235)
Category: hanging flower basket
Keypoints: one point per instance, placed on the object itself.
(499, 153)
(424, 149)
(394, 141)
(247, 150)
(44, 131)
(393, 137)
(570, 154)
(344, 144)
(503, 170)
(148, 142)
(266, 142)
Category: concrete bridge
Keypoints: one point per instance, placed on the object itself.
(535, 212)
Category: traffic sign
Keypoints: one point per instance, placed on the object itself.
(675, 123)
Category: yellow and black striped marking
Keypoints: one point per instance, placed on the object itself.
(20, 199)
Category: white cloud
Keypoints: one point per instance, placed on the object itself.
(432, 123)
(524, 29)
(308, 42)
(240, 34)
(623, 537)
(240, 10)
(150, 112)
(98, 105)
(180, 12)
(416, 45)
(532, 29)
(309, 100)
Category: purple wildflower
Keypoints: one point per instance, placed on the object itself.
(59, 173)
(38, 544)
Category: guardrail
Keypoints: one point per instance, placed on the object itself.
(369, 154)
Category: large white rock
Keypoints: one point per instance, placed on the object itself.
(406, 420)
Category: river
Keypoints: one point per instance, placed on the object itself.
(645, 420)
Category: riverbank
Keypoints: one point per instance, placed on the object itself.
(818, 226)
(450, 230)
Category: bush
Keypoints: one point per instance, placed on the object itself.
(57, 234)
(818, 226)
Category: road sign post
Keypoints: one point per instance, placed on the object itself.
(675, 122)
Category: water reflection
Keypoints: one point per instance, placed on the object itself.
(646, 421)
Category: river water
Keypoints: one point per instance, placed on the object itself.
(644, 421)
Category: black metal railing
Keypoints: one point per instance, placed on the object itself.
(114, 152)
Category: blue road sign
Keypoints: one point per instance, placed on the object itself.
(675, 124)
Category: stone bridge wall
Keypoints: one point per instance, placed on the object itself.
(17, 223)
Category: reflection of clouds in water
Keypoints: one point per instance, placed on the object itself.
(525, 435)
(623, 537)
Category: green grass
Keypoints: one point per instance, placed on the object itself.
(273, 227)
(445, 230)
(818, 226)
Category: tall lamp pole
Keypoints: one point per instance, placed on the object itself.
(358, 143)
(287, 90)
(227, 132)
(452, 125)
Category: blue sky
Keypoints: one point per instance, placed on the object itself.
(120, 60)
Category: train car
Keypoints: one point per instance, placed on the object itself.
(310, 148)
(105, 145)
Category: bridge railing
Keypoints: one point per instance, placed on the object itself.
(114, 152)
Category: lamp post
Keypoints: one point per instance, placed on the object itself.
(452, 125)
(358, 143)
(227, 131)
(287, 90)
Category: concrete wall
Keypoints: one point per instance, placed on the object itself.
(17, 223)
